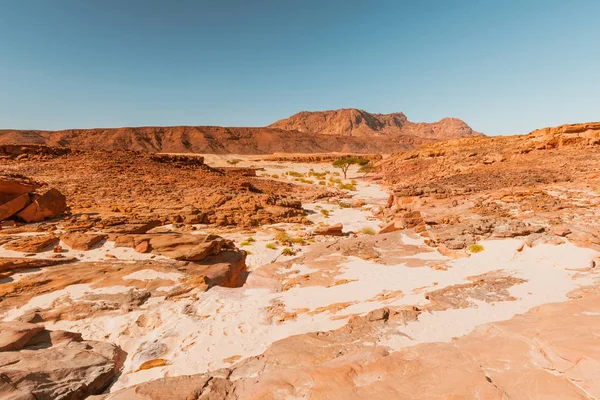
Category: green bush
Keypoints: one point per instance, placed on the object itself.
(271, 246)
(325, 212)
(295, 174)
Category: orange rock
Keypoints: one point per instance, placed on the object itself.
(13, 206)
(46, 206)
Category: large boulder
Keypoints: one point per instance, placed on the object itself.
(13, 206)
(44, 365)
(46, 206)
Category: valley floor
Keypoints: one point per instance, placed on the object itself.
(307, 303)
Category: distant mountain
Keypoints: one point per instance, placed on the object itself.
(210, 140)
(354, 122)
(348, 131)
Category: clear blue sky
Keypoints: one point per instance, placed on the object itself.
(503, 66)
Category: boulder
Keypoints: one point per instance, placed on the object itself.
(13, 206)
(182, 247)
(32, 244)
(331, 230)
(44, 365)
(46, 206)
(392, 227)
(81, 241)
(16, 185)
(411, 219)
(14, 335)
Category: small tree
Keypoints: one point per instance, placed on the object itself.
(345, 163)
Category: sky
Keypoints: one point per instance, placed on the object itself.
(504, 67)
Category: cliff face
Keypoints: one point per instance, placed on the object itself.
(353, 122)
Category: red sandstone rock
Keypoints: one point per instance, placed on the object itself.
(81, 241)
(13, 206)
(331, 230)
(46, 206)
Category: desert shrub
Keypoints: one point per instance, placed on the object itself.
(475, 248)
(250, 239)
(306, 181)
(271, 246)
(245, 243)
(344, 204)
(322, 183)
(288, 252)
(367, 230)
(235, 161)
(299, 240)
(346, 186)
(325, 212)
(275, 176)
(295, 174)
(283, 237)
(318, 175)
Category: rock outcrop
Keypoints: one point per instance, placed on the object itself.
(353, 122)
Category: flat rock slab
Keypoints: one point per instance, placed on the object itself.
(15, 263)
(81, 241)
(32, 244)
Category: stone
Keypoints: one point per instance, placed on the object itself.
(561, 231)
(13, 206)
(393, 226)
(82, 241)
(331, 230)
(14, 335)
(46, 206)
(12, 185)
(143, 247)
(58, 366)
(32, 244)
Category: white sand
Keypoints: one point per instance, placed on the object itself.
(150, 274)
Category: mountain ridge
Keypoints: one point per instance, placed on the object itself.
(377, 133)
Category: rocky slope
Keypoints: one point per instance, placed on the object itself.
(353, 122)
